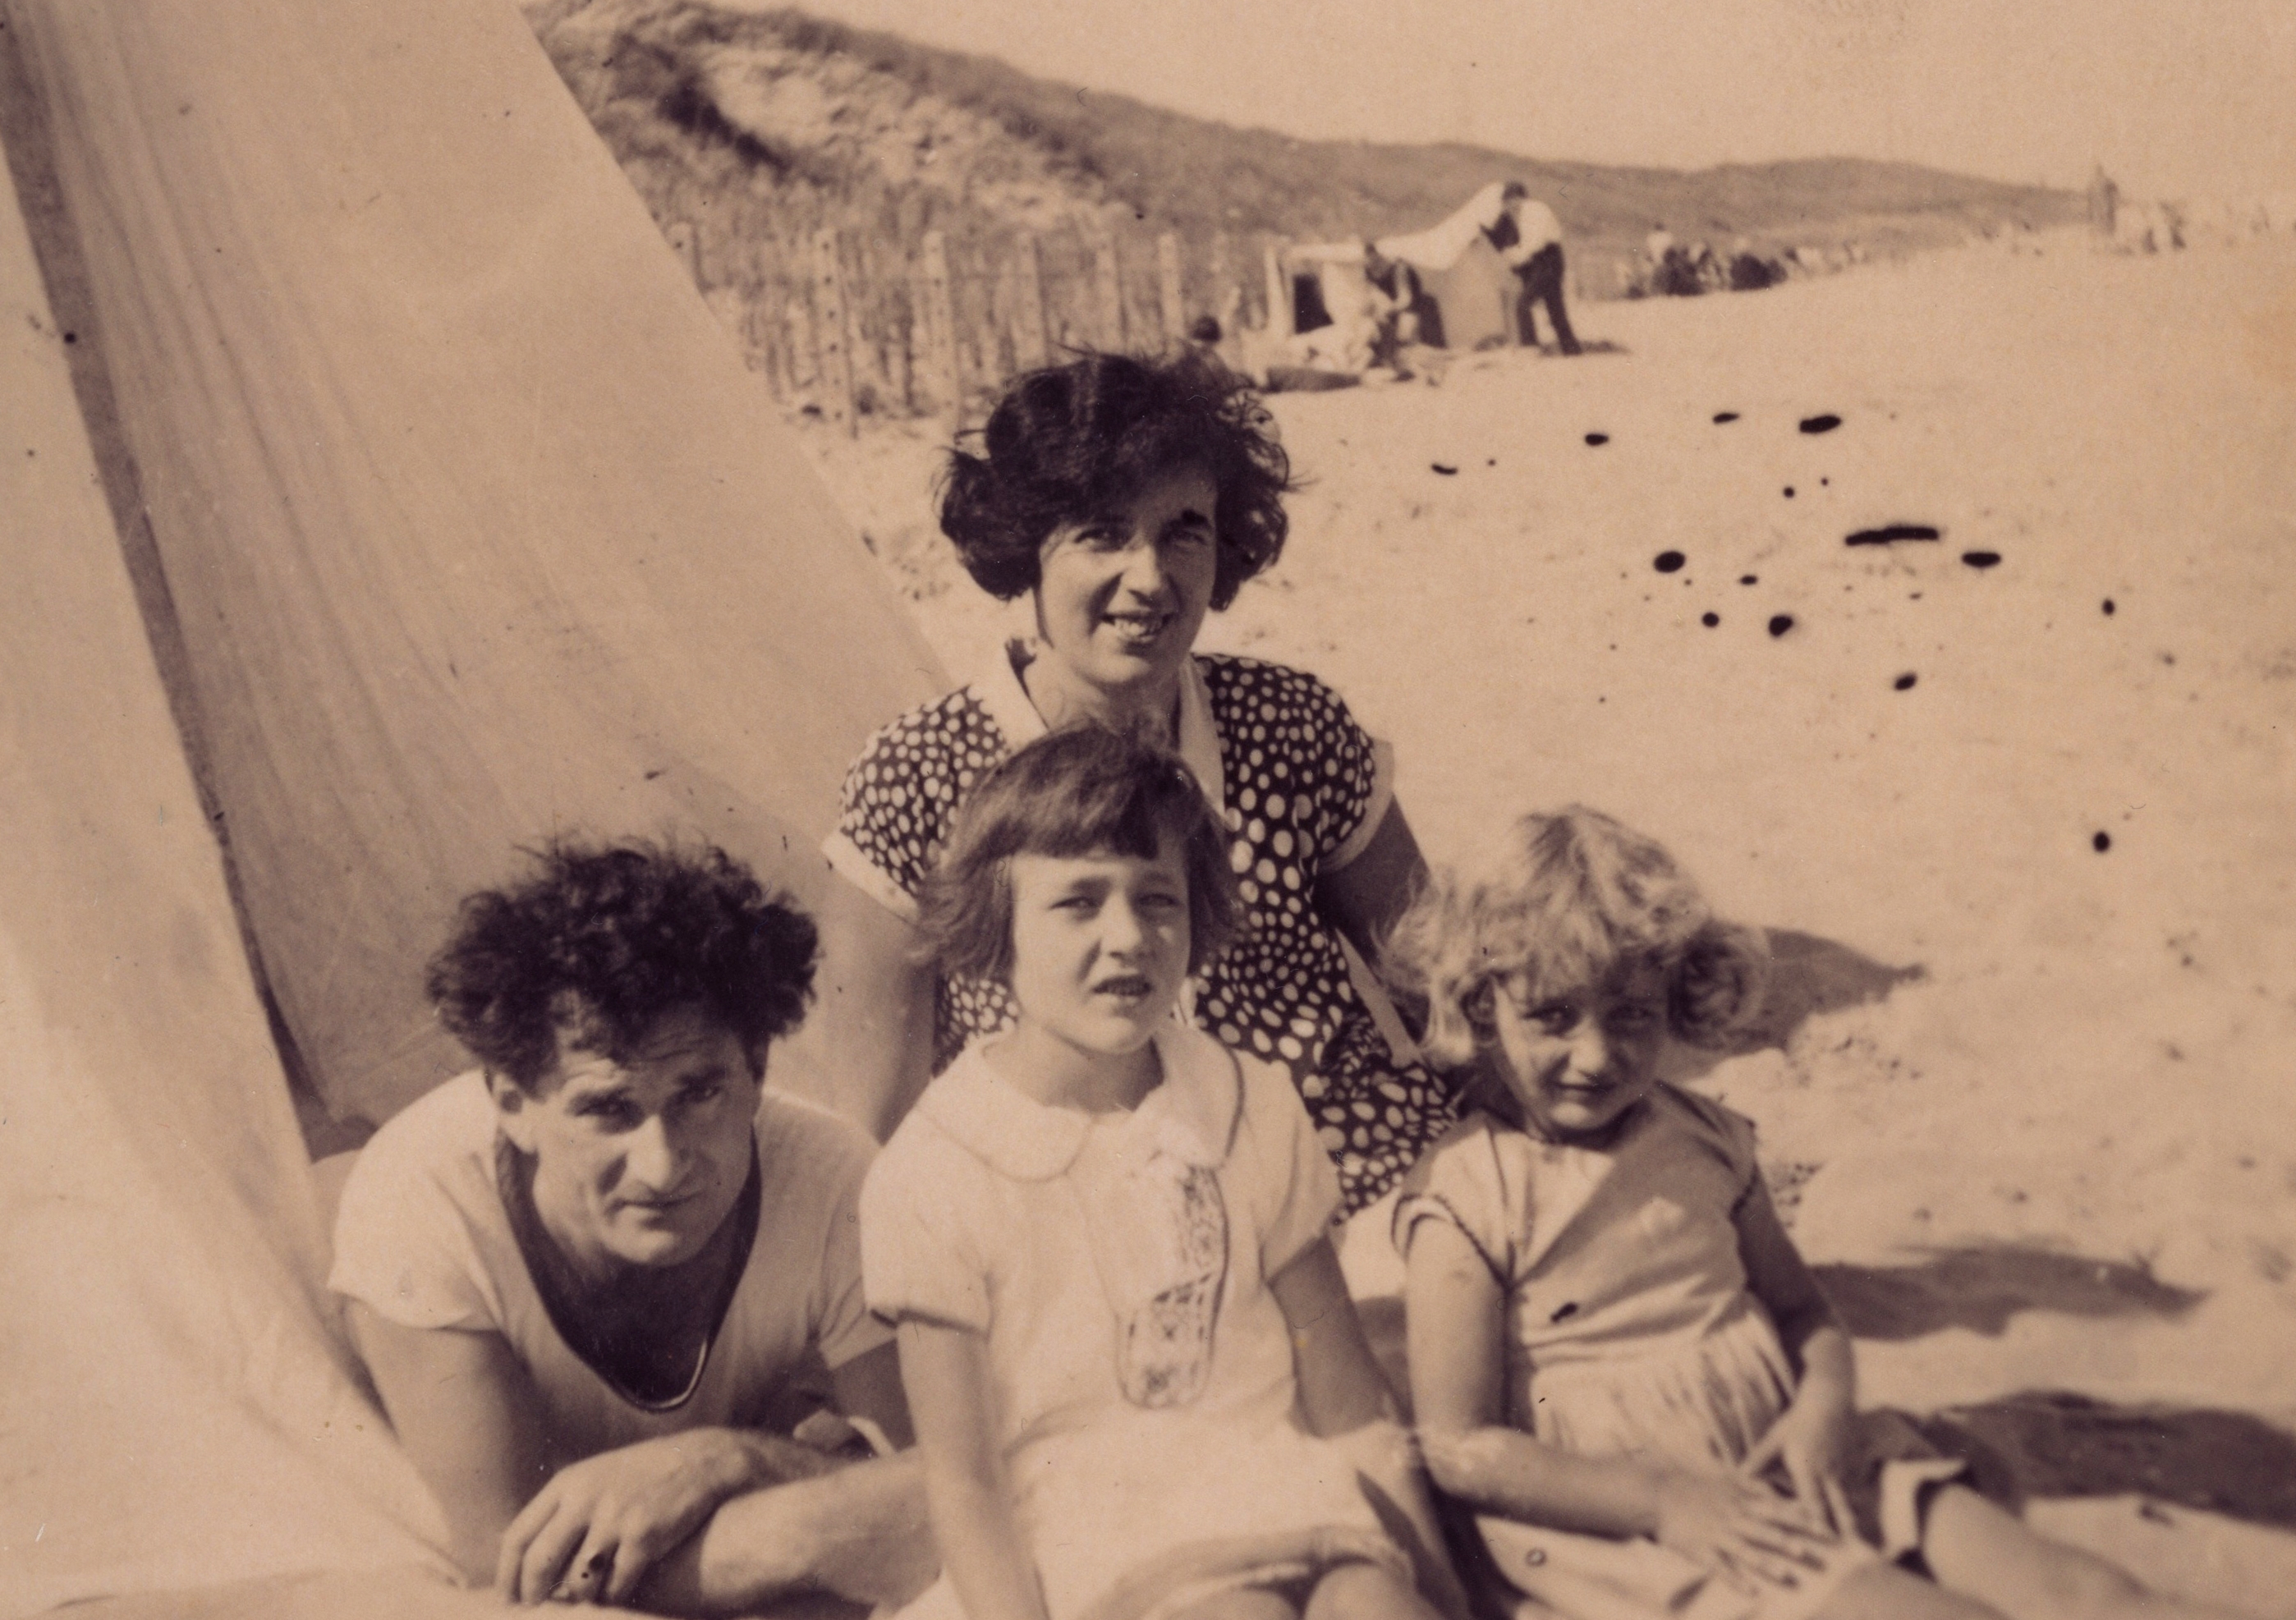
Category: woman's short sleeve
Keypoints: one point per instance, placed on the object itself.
(1458, 1183)
(918, 1259)
(404, 1244)
(900, 795)
(1295, 1193)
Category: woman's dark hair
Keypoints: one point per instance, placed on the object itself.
(1084, 790)
(598, 943)
(1067, 443)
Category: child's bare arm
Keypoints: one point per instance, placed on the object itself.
(1456, 1316)
(1811, 1440)
(1457, 1313)
(1341, 1385)
(1343, 1392)
(946, 1370)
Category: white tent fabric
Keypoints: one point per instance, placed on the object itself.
(476, 530)
(172, 1409)
(1440, 246)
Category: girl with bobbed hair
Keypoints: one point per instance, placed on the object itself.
(1126, 497)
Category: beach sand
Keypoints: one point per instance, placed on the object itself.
(2022, 832)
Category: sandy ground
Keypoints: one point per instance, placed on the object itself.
(2022, 831)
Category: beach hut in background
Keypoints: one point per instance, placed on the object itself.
(1465, 298)
(1467, 292)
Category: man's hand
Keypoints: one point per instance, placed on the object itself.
(594, 1531)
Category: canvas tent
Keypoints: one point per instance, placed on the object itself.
(375, 485)
(1467, 292)
(1462, 275)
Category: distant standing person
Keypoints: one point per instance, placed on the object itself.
(2104, 203)
(1529, 239)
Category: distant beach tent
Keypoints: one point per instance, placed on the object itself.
(1469, 287)
(377, 487)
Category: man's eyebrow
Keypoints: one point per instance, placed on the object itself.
(578, 1095)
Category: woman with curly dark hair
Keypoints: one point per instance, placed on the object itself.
(584, 1275)
(1126, 497)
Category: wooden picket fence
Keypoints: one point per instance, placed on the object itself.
(853, 326)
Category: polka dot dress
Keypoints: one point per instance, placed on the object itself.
(1298, 777)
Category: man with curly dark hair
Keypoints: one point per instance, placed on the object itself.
(588, 1277)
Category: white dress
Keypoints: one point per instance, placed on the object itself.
(1141, 1370)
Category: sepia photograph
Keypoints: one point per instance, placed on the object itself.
(1036, 810)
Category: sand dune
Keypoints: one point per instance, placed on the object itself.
(2024, 829)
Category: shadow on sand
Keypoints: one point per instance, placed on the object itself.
(1808, 976)
(1981, 1286)
(2055, 1443)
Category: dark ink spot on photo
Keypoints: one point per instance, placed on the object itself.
(1780, 623)
(1980, 559)
(1667, 562)
(1722, 416)
(1889, 534)
(1826, 423)
(1598, 439)
(1447, 471)
(1905, 682)
(1710, 620)
(2102, 842)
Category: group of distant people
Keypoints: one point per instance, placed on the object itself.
(1670, 269)
(1075, 1344)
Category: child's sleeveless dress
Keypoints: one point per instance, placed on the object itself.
(1630, 1330)
(1141, 1370)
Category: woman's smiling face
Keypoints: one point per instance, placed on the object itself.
(1120, 596)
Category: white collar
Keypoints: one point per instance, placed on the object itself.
(1191, 1114)
(1009, 705)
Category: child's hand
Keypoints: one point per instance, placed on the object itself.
(1810, 1445)
(1734, 1525)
